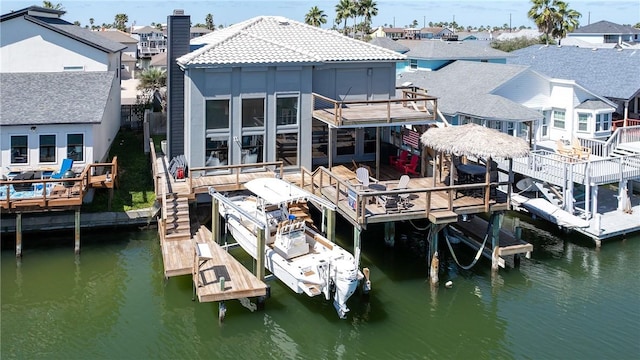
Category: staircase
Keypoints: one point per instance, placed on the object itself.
(551, 193)
(177, 218)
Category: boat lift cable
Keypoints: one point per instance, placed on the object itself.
(475, 259)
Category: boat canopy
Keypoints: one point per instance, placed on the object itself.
(276, 191)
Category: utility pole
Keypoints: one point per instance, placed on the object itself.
(424, 21)
(510, 22)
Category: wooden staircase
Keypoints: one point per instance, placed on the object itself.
(178, 219)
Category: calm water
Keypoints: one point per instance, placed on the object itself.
(569, 301)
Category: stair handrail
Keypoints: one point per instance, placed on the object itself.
(441, 116)
(626, 133)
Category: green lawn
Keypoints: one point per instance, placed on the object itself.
(134, 170)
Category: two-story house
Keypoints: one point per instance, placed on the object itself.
(60, 93)
(605, 32)
(129, 54)
(151, 41)
(251, 88)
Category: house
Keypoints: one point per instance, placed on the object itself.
(611, 73)
(522, 33)
(65, 107)
(251, 89)
(151, 41)
(159, 61)
(430, 33)
(198, 31)
(435, 54)
(516, 100)
(606, 32)
(129, 54)
(393, 33)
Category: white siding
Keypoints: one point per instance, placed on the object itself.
(27, 47)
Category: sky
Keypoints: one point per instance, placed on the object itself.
(397, 13)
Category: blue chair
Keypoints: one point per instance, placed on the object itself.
(66, 165)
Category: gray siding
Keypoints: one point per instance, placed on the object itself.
(178, 33)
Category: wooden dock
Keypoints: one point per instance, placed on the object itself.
(218, 276)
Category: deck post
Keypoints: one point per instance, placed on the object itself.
(77, 232)
(331, 225)
(434, 261)
(215, 220)
(496, 221)
(356, 240)
(260, 255)
(18, 234)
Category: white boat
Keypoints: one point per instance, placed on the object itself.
(303, 259)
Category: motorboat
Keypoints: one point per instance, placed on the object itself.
(300, 257)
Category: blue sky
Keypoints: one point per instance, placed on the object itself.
(400, 12)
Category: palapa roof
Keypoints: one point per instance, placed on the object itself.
(475, 140)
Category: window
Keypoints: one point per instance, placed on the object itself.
(511, 128)
(603, 122)
(413, 63)
(252, 149)
(319, 139)
(19, 149)
(583, 122)
(287, 148)
(545, 124)
(369, 140)
(287, 111)
(75, 147)
(216, 151)
(73, 68)
(252, 113)
(558, 119)
(217, 114)
(346, 142)
(47, 148)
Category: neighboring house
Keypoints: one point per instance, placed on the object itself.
(60, 91)
(129, 54)
(159, 61)
(435, 54)
(379, 33)
(515, 99)
(151, 41)
(430, 33)
(198, 31)
(393, 33)
(611, 73)
(248, 93)
(606, 32)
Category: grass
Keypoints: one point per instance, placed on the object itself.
(134, 171)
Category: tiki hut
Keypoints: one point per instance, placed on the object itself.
(476, 141)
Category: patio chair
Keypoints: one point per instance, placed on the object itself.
(399, 161)
(411, 167)
(362, 175)
(66, 166)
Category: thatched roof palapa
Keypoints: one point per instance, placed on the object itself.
(475, 140)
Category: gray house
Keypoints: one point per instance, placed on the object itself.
(251, 89)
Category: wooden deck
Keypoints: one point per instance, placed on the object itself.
(63, 194)
(413, 107)
(238, 281)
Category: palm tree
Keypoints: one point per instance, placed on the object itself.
(368, 9)
(120, 21)
(49, 5)
(315, 17)
(544, 14)
(568, 21)
(208, 20)
(343, 12)
(153, 78)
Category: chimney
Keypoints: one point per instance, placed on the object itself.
(178, 26)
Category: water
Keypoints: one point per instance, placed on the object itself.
(112, 302)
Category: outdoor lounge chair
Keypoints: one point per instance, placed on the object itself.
(362, 175)
(399, 161)
(66, 166)
(411, 167)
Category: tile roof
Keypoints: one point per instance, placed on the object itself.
(146, 30)
(610, 73)
(54, 98)
(465, 87)
(450, 50)
(273, 39)
(605, 27)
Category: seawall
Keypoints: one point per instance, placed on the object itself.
(66, 220)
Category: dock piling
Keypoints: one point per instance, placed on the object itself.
(18, 235)
(77, 232)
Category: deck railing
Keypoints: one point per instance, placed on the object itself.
(322, 178)
(276, 166)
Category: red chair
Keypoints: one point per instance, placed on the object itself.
(399, 161)
(411, 167)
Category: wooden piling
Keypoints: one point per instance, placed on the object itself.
(18, 235)
(77, 232)
(331, 225)
(260, 255)
(215, 221)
